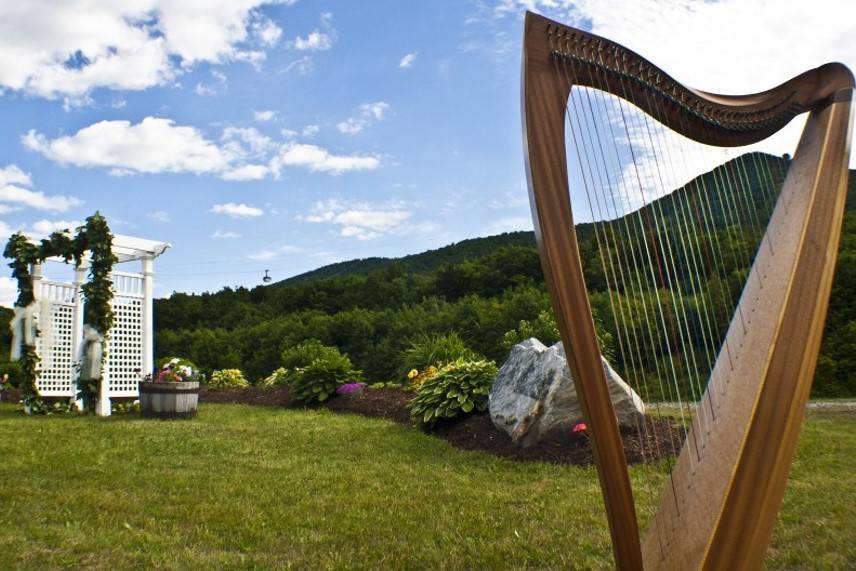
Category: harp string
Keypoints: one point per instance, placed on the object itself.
(674, 227)
(661, 151)
(620, 278)
(677, 325)
(608, 247)
(649, 218)
(629, 238)
(601, 236)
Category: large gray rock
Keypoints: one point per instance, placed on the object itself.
(534, 395)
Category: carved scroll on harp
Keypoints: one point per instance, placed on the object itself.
(750, 376)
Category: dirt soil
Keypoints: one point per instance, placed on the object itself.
(657, 439)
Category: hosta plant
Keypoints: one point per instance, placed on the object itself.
(278, 377)
(228, 378)
(416, 377)
(458, 388)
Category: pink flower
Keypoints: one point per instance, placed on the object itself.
(580, 427)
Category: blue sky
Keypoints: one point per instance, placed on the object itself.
(288, 135)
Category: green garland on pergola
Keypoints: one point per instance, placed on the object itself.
(94, 236)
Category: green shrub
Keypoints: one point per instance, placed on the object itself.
(303, 354)
(315, 371)
(544, 329)
(278, 377)
(435, 350)
(458, 388)
(228, 378)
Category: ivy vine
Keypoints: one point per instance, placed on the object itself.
(94, 236)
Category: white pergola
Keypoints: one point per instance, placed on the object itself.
(130, 348)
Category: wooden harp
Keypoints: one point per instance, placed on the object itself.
(728, 479)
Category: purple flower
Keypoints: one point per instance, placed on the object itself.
(350, 388)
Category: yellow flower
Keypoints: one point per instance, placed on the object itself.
(412, 374)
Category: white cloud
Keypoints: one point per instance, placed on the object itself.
(267, 32)
(225, 235)
(66, 49)
(8, 291)
(237, 210)
(152, 145)
(246, 172)
(204, 90)
(310, 131)
(14, 195)
(362, 221)
(246, 141)
(264, 116)
(369, 113)
(12, 174)
(407, 60)
(318, 159)
(157, 145)
(352, 125)
(46, 227)
(6, 230)
(316, 41)
(207, 90)
(159, 216)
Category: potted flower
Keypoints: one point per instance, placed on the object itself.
(171, 391)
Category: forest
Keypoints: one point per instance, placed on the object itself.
(491, 292)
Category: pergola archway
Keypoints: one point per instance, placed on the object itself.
(130, 343)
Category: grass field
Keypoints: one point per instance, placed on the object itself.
(253, 487)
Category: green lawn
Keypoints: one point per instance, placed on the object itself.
(253, 487)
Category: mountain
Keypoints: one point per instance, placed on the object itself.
(421, 262)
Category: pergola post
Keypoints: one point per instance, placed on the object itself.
(148, 315)
(103, 406)
(36, 273)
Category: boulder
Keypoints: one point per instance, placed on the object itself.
(534, 396)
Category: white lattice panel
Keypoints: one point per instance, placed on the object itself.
(56, 342)
(125, 349)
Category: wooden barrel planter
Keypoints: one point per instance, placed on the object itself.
(169, 400)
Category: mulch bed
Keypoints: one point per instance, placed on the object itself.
(10, 395)
(474, 432)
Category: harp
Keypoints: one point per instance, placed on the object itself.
(719, 506)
